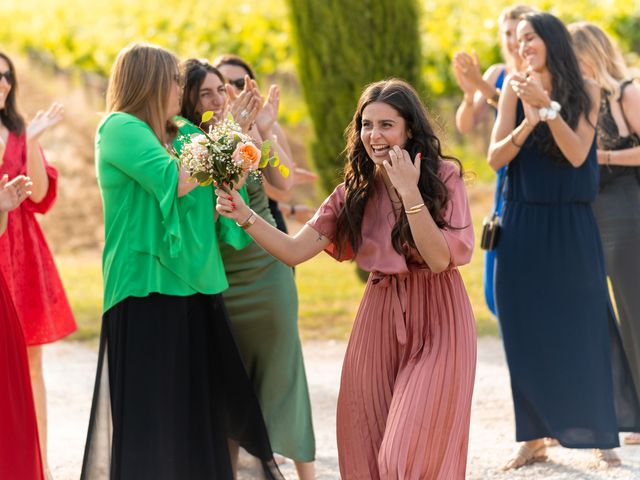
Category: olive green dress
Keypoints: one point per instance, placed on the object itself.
(263, 306)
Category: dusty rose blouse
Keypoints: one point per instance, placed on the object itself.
(376, 253)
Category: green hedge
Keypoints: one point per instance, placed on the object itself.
(342, 45)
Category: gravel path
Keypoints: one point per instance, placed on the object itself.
(70, 370)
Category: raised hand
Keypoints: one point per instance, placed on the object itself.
(530, 90)
(44, 120)
(14, 192)
(245, 106)
(269, 112)
(403, 173)
(467, 71)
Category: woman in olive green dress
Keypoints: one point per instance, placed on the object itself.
(262, 297)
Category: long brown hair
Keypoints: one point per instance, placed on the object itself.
(568, 87)
(140, 84)
(10, 115)
(360, 171)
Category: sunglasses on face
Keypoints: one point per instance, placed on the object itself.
(7, 75)
(238, 83)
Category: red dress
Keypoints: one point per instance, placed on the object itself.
(26, 261)
(19, 449)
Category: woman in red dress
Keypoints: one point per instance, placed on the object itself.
(25, 260)
(19, 449)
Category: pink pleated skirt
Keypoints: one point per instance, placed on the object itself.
(405, 395)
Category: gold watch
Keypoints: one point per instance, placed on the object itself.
(249, 221)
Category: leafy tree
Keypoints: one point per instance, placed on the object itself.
(342, 45)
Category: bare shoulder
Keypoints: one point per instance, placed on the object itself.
(631, 95)
(492, 73)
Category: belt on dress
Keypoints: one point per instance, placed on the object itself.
(395, 293)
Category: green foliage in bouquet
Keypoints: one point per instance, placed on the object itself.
(224, 154)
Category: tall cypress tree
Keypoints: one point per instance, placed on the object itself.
(342, 46)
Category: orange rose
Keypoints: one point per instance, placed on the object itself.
(250, 156)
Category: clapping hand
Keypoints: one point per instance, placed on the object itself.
(530, 90)
(13, 193)
(44, 120)
(269, 112)
(245, 106)
(467, 72)
(403, 173)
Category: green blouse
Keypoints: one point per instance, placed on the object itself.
(154, 241)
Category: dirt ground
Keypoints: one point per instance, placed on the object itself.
(70, 372)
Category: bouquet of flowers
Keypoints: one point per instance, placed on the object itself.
(225, 154)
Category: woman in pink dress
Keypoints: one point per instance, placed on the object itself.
(25, 259)
(19, 449)
(407, 380)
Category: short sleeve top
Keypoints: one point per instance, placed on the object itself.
(376, 252)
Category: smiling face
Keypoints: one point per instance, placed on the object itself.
(212, 96)
(531, 47)
(382, 128)
(5, 85)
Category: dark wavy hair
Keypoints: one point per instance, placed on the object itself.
(9, 115)
(193, 74)
(360, 171)
(567, 83)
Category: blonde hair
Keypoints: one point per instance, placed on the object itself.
(514, 12)
(597, 50)
(140, 84)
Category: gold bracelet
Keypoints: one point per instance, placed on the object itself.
(414, 209)
(251, 219)
(493, 101)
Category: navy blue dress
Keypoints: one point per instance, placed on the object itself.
(570, 379)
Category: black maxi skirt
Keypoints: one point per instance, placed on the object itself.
(171, 390)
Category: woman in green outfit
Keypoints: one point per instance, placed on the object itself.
(170, 389)
(262, 302)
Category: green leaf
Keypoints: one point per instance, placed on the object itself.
(264, 152)
(201, 177)
(274, 161)
(206, 116)
(284, 171)
(207, 182)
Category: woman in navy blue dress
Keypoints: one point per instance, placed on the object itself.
(560, 335)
